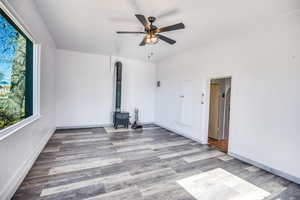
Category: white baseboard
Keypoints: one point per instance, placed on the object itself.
(11, 187)
(91, 126)
(83, 126)
(179, 133)
(266, 168)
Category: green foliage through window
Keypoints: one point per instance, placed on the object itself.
(16, 55)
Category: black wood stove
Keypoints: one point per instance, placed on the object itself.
(119, 118)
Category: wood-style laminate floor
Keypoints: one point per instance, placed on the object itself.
(151, 165)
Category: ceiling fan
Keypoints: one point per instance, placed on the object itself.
(152, 32)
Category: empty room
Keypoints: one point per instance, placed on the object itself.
(144, 100)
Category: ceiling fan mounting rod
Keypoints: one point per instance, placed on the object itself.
(151, 19)
(151, 30)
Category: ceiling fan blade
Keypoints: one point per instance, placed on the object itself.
(143, 43)
(143, 20)
(130, 32)
(171, 28)
(166, 39)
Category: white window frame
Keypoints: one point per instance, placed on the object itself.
(8, 9)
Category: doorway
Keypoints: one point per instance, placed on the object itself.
(219, 113)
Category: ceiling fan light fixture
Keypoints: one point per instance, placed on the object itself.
(151, 39)
(148, 39)
(154, 40)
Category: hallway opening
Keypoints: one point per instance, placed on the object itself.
(219, 113)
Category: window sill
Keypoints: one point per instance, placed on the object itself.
(16, 127)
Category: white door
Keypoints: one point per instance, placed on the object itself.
(186, 101)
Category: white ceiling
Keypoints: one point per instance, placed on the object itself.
(90, 25)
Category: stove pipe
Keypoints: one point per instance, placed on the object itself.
(118, 66)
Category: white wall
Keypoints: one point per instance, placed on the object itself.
(264, 64)
(85, 88)
(19, 150)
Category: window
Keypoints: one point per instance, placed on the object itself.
(16, 73)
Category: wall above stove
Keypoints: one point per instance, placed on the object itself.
(85, 89)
